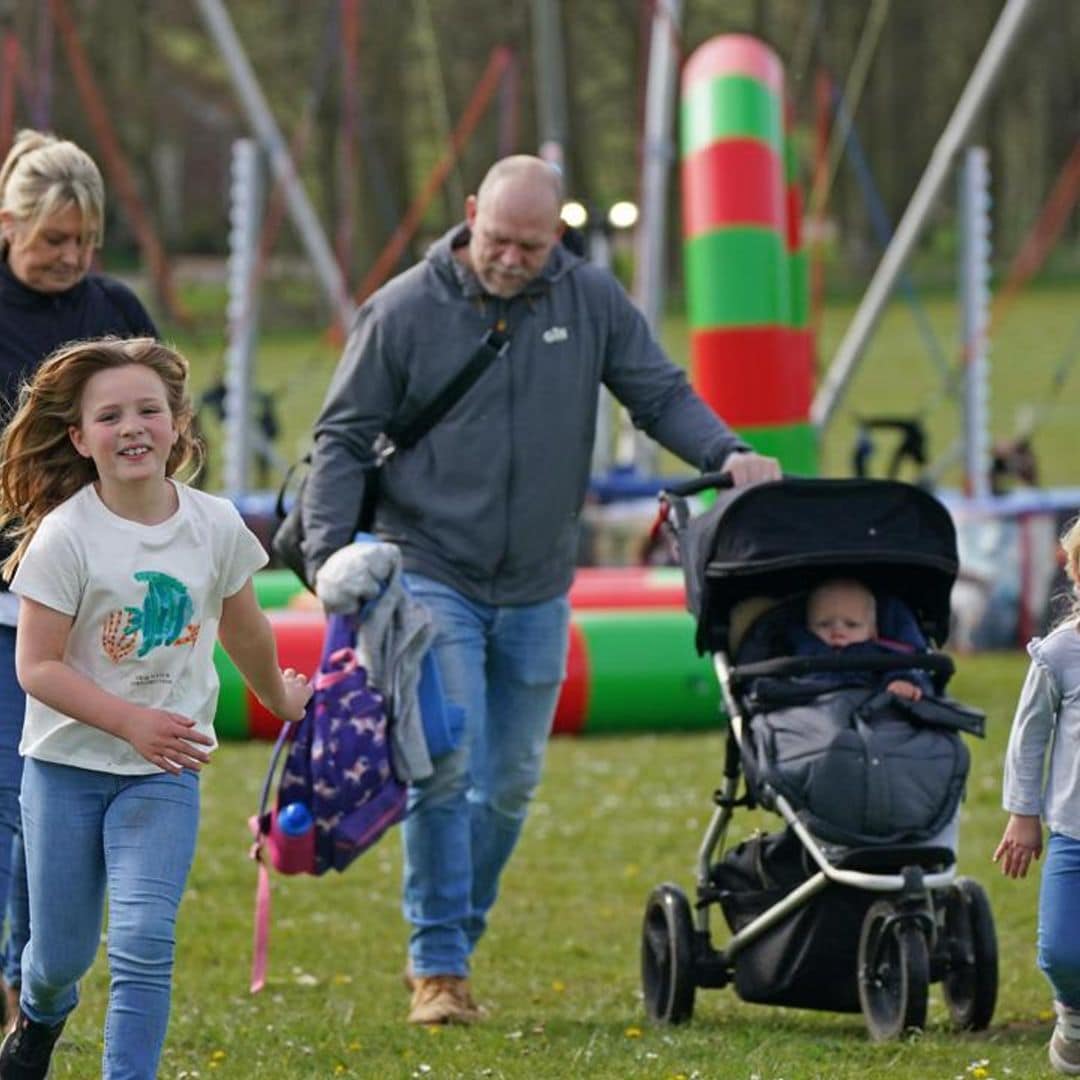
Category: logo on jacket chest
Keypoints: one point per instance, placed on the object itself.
(554, 334)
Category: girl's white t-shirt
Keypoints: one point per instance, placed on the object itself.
(146, 602)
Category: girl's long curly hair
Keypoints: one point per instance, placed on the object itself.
(39, 465)
(1070, 546)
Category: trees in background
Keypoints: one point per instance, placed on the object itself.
(369, 90)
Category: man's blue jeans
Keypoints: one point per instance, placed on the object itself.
(90, 833)
(504, 666)
(1059, 918)
(12, 867)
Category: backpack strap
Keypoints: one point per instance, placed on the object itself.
(260, 828)
(261, 946)
(493, 345)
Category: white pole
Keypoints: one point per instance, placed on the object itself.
(657, 156)
(244, 205)
(956, 132)
(266, 130)
(975, 317)
(550, 84)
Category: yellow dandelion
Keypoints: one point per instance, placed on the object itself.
(979, 1073)
(633, 1033)
(355, 1046)
(218, 1055)
(339, 1069)
(558, 986)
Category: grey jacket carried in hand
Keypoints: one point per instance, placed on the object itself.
(488, 501)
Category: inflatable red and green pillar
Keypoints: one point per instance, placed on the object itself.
(751, 350)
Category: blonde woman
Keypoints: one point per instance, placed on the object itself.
(52, 211)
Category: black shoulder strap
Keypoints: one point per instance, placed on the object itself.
(493, 344)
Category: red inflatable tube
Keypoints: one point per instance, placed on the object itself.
(754, 375)
(299, 637)
(733, 182)
(573, 706)
(735, 54)
(627, 587)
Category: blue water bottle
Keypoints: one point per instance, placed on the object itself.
(292, 839)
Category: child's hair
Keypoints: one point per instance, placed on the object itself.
(39, 465)
(849, 584)
(1070, 546)
(43, 174)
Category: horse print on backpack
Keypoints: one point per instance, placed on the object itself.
(338, 764)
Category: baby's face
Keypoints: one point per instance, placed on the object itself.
(841, 614)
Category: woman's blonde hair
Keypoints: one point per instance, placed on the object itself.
(43, 175)
(39, 465)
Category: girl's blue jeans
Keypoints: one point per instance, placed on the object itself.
(12, 866)
(1059, 918)
(87, 835)
(504, 666)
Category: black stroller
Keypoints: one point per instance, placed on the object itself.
(854, 904)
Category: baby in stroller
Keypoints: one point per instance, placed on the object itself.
(842, 614)
(859, 697)
(839, 722)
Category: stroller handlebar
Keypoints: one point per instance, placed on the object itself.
(936, 663)
(717, 481)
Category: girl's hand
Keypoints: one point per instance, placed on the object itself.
(1021, 842)
(167, 740)
(294, 696)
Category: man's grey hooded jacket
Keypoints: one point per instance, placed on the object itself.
(488, 501)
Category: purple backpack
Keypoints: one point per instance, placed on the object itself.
(338, 767)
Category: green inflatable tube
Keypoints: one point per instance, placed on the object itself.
(645, 674)
(231, 718)
(275, 588)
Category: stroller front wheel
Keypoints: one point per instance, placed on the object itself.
(893, 971)
(971, 979)
(667, 956)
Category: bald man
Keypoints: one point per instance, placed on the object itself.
(485, 509)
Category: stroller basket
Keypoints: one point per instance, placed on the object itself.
(809, 960)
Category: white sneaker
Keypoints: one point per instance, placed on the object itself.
(1065, 1042)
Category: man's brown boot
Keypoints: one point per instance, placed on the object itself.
(443, 999)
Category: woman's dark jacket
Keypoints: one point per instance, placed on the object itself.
(33, 324)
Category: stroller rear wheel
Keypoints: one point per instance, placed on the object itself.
(971, 978)
(893, 971)
(667, 956)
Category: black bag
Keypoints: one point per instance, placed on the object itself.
(287, 540)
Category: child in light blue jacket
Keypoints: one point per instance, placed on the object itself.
(1042, 785)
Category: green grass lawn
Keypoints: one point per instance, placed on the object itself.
(559, 968)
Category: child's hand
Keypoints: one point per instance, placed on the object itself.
(1021, 842)
(167, 740)
(295, 693)
(904, 689)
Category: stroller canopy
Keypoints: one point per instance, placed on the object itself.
(782, 538)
